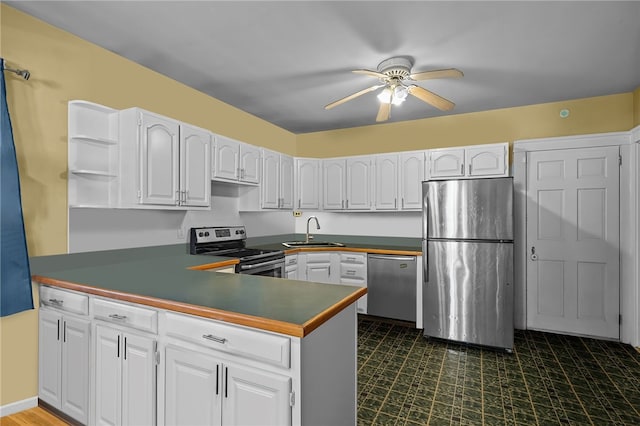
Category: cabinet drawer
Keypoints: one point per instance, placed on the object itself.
(360, 258)
(64, 300)
(227, 338)
(291, 260)
(129, 315)
(318, 257)
(354, 271)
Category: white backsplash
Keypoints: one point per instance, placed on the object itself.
(387, 224)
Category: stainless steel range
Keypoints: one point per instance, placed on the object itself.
(230, 241)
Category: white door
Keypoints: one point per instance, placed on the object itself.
(411, 177)
(226, 159)
(138, 380)
(286, 182)
(193, 388)
(254, 397)
(573, 272)
(387, 182)
(358, 180)
(49, 357)
(446, 163)
(195, 166)
(334, 183)
(108, 373)
(159, 160)
(270, 179)
(308, 184)
(249, 163)
(487, 160)
(75, 368)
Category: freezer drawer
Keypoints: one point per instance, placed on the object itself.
(468, 292)
(391, 286)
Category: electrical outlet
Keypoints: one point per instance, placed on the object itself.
(297, 214)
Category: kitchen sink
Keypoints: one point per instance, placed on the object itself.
(291, 244)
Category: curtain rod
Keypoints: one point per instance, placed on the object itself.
(22, 73)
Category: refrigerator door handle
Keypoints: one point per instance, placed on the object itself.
(425, 262)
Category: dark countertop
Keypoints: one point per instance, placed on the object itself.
(165, 277)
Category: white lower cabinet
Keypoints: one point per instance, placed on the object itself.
(320, 267)
(64, 363)
(125, 378)
(353, 271)
(291, 267)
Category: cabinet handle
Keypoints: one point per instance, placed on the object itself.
(58, 329)
(462, 168)
(342, 205)
(64, 332)
(402, 204)
(351, 272)
(214, 338)
(395, 203)
(299, 203)
(226, 382)
(241, 173)
(217, 380)
(351, 259)
(177, 198)
(347, 203)
(125, 348)
(118, 350)
(58, 302)
(118, 317)
(469, 168)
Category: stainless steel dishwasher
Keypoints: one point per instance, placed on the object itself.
(391, 286)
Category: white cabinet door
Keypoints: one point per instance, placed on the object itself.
(159, 160)
(49, 357)
(487, 160)
(291, 272)
(195, 163)
(308, 183)
(138, 380)
(358, 183)
(270, 179)
(75, 368)
(192, 388)
(446, 163)
(386, 182)
(286, 182)
(226, 158)
(108, 374)
(255, 397)
(333, 172)
(249, 163)
(319, 272)
(411, 177)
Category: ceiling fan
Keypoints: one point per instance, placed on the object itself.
(396, 78)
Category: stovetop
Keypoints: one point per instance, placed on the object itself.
(226, 242)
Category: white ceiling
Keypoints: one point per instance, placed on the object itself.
(284, 60)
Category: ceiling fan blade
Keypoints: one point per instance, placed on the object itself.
(431, 98)
(428, 75)
(371, 73)
(383, 112)
(353, 96)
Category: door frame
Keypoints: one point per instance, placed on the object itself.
(629, 143)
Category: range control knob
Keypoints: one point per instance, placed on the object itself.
(206, 234)
(200, 234)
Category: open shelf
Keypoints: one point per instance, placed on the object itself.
(95, 139)
(92, 173)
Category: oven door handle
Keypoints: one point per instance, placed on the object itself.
(258, 265)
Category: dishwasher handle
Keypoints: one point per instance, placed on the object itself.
(391, 257)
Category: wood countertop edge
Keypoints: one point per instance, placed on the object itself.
(354, 249)
(214, 265)
(266, 324)
(331, 311)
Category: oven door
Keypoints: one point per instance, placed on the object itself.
(271, 268)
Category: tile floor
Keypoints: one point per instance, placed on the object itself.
(405, 379)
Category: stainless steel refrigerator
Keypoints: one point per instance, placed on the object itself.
(467, 251)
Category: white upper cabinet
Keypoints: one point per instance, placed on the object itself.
(308, 183)
(358, 183)
(411, 177)
(235, 161)
(472, 161)
(333, 179)
(386, 182)
(163, 163)
(277, 180)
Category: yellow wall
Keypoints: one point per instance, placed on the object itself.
(590, 115)
(636, 107)
(64, 67)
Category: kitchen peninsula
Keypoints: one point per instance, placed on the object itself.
(125, 331)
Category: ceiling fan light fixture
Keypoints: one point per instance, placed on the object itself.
(399, 95)
(385, 96)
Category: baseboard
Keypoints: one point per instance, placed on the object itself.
(16, 407)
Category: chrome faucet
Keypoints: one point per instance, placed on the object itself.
(310, 237)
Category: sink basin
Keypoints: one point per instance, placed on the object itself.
(311, 244)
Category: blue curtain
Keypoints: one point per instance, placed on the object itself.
(15, 276)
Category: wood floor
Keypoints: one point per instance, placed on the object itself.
(35, 416)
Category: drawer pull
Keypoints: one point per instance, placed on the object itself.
(58, 302)
(214, 338)
(351, 259)
(118, 317)
(351, 272)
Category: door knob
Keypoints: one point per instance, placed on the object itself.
(533, 256)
